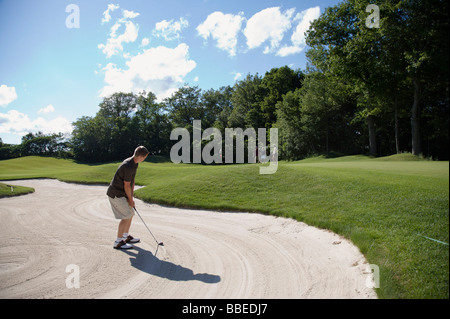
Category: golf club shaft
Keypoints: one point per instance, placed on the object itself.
(146, 225)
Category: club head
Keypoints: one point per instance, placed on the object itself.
(161, 244)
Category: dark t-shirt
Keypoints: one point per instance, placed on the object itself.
(125, 172)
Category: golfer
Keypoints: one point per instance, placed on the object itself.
(120, 195)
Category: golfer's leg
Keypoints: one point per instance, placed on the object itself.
(127, 226)
(124, 226)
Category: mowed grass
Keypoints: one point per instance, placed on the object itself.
(8, 190)
(386, 206)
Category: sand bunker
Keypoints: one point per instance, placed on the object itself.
(62, 235)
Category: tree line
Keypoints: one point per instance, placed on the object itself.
(376, 91)
(40, 144)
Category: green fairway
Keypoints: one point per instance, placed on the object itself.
(391, 208)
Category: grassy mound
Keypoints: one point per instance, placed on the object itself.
(8, 190)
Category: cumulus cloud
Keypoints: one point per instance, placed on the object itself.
(223, 28)
(170, 30)
(7, 94)
(107, 15)
(160, 70)
(145, 42)
(48, 109)
(129, 14)
(15, 122)
(298, 37)
(114, 43)
(268, 25)
(266, 28)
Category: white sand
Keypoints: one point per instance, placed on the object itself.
(206, 254)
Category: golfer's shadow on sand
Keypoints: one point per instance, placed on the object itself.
(147, 262)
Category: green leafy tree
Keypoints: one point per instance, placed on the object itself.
(276, 83)
(184, 106)
(409, 50)
(217, 106)
(246, 99)
(91, 139)
(292, 144)
(152, 123)
(40, 144)
(116, 113)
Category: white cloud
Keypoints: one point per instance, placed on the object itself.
(160, 70)
(7, 94)
(15, 122)
(114, 43)
(129, 14)
(114, 29)
(107, 15)
(237, 75)
(298, 37)
(48, 109)
(224, 28)
(170, 30)
(289, 50)
(268, 25)
(145, 42)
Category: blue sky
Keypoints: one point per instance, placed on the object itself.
(58, 62)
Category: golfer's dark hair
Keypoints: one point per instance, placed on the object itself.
(141, 151)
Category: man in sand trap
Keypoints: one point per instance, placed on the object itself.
(120, 195)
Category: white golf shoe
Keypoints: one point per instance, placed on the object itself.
(122, 245)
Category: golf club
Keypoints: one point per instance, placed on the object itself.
(159, 243)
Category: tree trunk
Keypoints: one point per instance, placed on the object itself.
(372, 138)
(415, 133)
(328, 139)
(397, 138)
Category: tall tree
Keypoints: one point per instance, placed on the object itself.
(217, 106)
(276, 83)
(222, 99)
(410, 46)
(246, 99)
(152, 124)
(319, 104)
(184, 106)
(117, 111)
(292, 141)
(353, 54)
(91, 139)
(425, 40)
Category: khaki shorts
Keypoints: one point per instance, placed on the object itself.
(120, 208)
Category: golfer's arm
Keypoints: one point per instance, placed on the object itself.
(128, 190)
